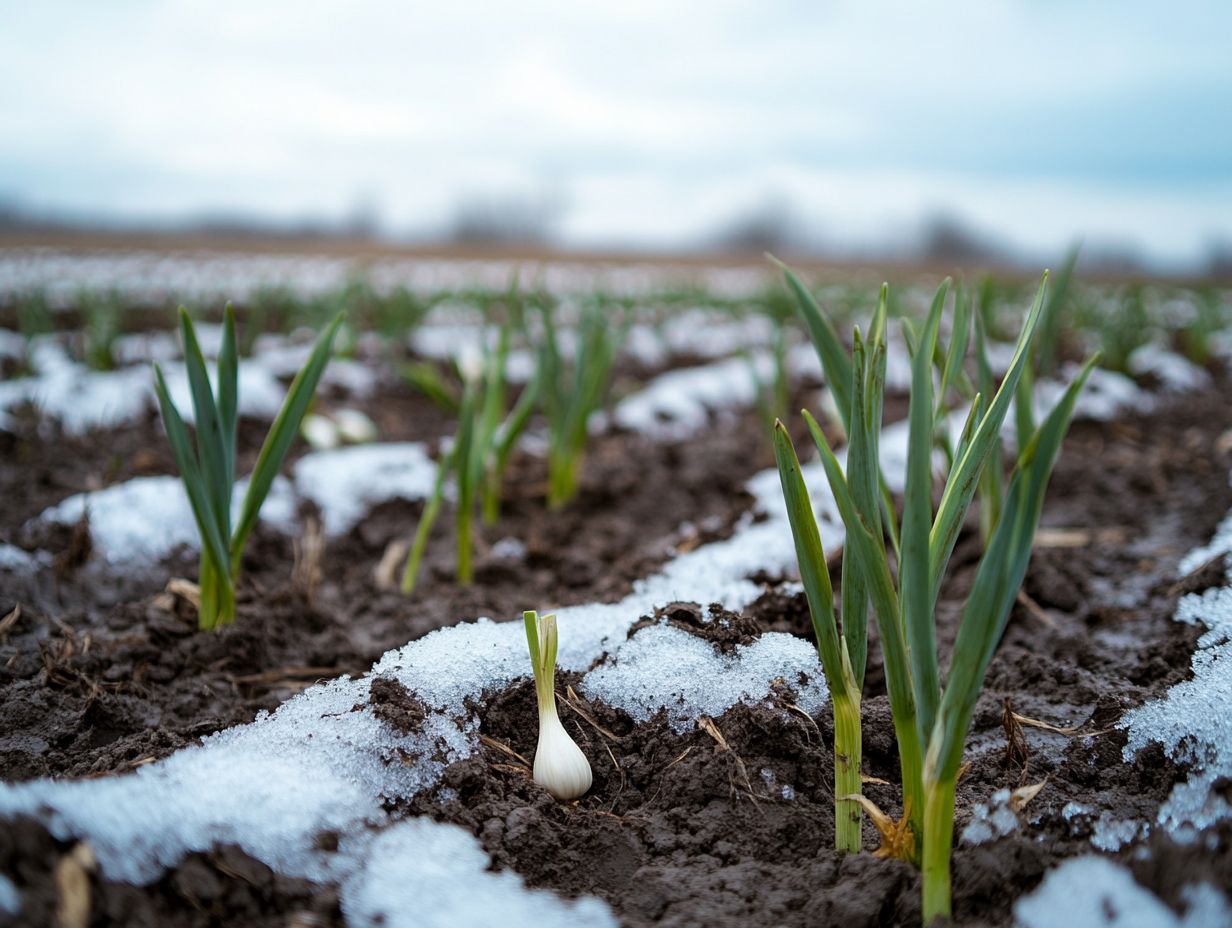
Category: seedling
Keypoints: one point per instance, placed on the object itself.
(930, 723)
(102, 313)
(560, 766)
(772, 397)
(208, 472)
(571, 393)
(427, 378)
(477, 458)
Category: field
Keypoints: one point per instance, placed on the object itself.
(347, 752)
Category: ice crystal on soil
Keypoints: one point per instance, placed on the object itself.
(1194, 720)
(991, 820)
(1111, 833)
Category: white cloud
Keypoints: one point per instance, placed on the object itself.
(655, 120)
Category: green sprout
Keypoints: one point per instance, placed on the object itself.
(1209, 316)
(102, 313)
(931, 721)
(477, 459)
(774, 396)
(571, 393)
(427, 378)
(208, 472)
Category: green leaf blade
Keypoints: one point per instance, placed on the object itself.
(283, 432)
(810, 557)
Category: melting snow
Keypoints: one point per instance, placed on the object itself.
(10, 898)
(422, 874)
(991, 820)
(1194, 720)
(146, 518)
(345, 482)
(665, 667)
(1175, 373)
(1093, 892)
(679, 403)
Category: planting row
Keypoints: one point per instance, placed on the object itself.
(443, 728)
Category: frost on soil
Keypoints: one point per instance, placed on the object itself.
(1194, 720)
(991, 820)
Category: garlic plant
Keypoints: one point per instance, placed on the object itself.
(931, 716)
(478, 457)
(572, 393)
(208, 472)
(560, 766)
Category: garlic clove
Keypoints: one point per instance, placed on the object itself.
(320, 433)
(560, 766)
(354, 426)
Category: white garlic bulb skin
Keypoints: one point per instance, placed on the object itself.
(560, 766)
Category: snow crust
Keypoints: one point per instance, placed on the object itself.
(665, 667)
(146, 518)
(679, 404)
(10, 898)
(1193, 721)
(421, 874)
(345, 482)
(1094, 892)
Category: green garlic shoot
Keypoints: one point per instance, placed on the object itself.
(208, 470)
(931, 715)
(560, 766)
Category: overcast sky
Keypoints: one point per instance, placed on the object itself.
(648, 123)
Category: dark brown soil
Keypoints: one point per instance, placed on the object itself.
(224, 887)
(730, 826)
(88, 689)
(688, 830)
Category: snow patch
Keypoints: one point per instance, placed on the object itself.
(667, 668)
(345, 482)
(18, 560)
(10, 897)
(679, 403)
(991, 820)
(1193, 721)
(144, 519)
(423, 874)
(1093, 892)
(1176, 374)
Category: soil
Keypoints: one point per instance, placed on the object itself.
(101, 674)
(724, 825)
(733, 824)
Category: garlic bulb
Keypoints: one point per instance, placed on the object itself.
(560, 766)
(354, 426)
(320, 433)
